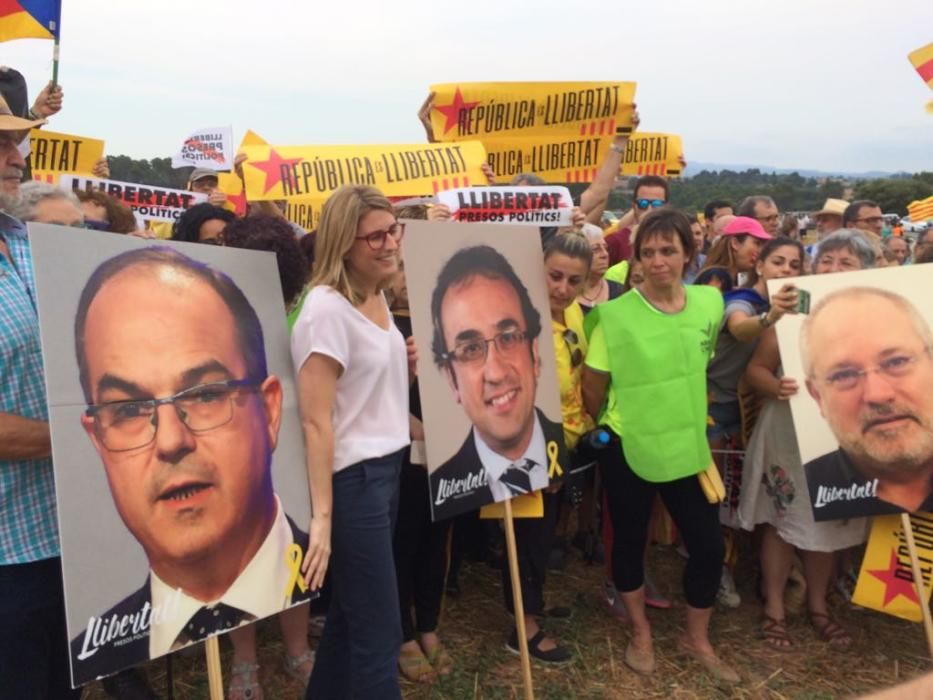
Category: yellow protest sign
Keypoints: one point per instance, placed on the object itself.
(232, 186)
(567, 159)
(886, 582)
(489, 110)
(251, 138)
(303, 172)
(51, 152)
(304, 212)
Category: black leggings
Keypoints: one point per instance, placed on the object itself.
(630, 499)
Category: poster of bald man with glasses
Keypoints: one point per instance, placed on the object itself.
(861, 355)
(487, 374)
(180, 476)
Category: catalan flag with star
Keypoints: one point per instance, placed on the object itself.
(921, 209)
(30, 19)
(922, 60)
(886, 581)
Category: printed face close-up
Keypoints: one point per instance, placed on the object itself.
(497, 391)
(874, 390)
(195, 478)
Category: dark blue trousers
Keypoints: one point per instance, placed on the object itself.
(33, 639)
(358, 655)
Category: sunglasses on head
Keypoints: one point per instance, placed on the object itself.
(653, 203)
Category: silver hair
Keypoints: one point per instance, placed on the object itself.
(592, 232)
(916, 319)
(747, 207)
(32, 194)
(849, 239)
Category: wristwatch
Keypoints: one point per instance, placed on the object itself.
(763, 319)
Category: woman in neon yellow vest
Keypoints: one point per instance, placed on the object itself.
(645, 378)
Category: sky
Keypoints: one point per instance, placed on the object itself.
(815, 84)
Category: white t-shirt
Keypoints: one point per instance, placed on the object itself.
(371, 412)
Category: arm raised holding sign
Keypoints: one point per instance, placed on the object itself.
(594, 199)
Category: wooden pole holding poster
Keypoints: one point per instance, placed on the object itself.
(517, 601)
(214, 677)
(918, 579)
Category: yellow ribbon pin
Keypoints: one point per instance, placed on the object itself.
(554, 467)
(293, 556)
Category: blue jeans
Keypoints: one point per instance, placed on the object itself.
(33, 640)
(358, 654)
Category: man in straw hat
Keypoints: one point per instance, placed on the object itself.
(829, 218)
(33, 640)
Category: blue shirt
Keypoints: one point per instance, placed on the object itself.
(28, 526)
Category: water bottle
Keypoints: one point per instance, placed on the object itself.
(598, 439)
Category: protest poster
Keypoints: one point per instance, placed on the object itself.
(302, 172)
(52, 154)
(148, 202)
(861, 355)
(486, 368)
(232, 186)
(463, 111)
(210, 148)
(550, 206)
(574, 158)
(180, 476)
(886, 582)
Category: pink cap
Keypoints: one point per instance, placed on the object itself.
(746, 224)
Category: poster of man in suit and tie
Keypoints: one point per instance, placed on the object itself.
(180, 476)
(487, 372)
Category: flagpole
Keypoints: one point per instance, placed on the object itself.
(918, 579)
(55, 55)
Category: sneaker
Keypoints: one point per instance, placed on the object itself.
(616, 607)
(653, 596)
(728, 596)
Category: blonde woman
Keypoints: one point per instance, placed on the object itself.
(353, 380)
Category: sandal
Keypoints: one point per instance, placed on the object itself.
(830, 631)
(414, 665)
(292, 666)
(774, 633)
(441, 661)
(244, 682)
(557, 655)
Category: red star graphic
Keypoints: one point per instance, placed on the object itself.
(273, 168)
(452, 111)
(239, 203)
(894, 586)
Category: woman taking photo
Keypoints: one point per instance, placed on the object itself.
(737, 249)
(648, 355)
(774, 488)
(353, 381)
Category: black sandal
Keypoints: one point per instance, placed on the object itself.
(557, 655)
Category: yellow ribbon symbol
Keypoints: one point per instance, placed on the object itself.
(554, 467)
(293, 558)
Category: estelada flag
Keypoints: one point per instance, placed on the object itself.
(921, 209)
(30, 19)
(886, 580)
(922, 60)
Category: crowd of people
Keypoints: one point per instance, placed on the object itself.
(639, 397)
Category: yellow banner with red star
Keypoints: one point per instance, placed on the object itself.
(886, 581)
(567, 159)
(314, 172)
(52, 154)
(463, 111)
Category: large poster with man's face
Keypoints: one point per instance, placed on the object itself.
(179, 465)
(861, 355)
(486, 367)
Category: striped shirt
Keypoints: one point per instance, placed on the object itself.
(28, 527)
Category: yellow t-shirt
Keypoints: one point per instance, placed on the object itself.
(597, 358)
(571, 348)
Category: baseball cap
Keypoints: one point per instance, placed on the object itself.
(201, 173)
(746, 225)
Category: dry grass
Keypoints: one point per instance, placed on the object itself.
(474, 627)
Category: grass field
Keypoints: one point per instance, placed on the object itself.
(475, 626)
